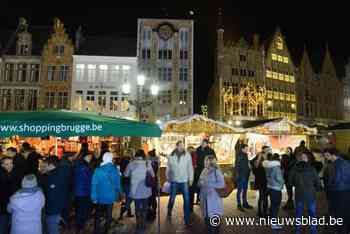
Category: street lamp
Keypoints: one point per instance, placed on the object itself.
(154, 89)
(126, 88)
(238, 123)
(141, 80)
(229, 122)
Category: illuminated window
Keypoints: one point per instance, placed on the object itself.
(90, 100)
(291, 79)
(285, 59)
(269, 94)
(274, 56)
(279, 43)
(103, 73)
(275, 95)
(268, 74)
(274, 75)
(287, 97)
(282, 96)
(292, 97)
(80, 72)
(280, 58)
(78, 100)
(280, 76)
(286, 77)
(91, 73)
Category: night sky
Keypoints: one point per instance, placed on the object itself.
(301, 24)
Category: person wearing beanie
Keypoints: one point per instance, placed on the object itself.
(25, 207)
(105, 188)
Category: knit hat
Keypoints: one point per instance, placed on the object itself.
(107, 158)
(29, 181)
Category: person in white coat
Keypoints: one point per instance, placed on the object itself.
(211, 179)
(26, 206)
(179, 173)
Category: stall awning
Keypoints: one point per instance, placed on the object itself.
(195, 124)
(67, 124)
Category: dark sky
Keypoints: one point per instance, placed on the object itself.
(301, 24)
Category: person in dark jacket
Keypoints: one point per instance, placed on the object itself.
(125, 182)
(242, 177)
(260, 180)
(287, 163)
(31, 157)
(8, 186)
(82, 191)
(300, 149)
(202, 151)
(194, 188)
(152, 201)
(306, 182)
(55, 186)
(338, 184)
(19, 163)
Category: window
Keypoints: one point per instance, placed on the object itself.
(5, 99)
(165, 97)
(285, 59)
(90, 100)
(164, 73)
(268, 74)
(19, 99)
(251, 73)
(291, 78)
(91, 73)
(269, 93)
(279, 43)
(234, 71)
(34, 73)
(242, 58)
(165, 49)
(183, 54)
(280, 58)
(184, 38)
(62, 100)
(183, 97)
(80, 68)
(63, 73)
(280, 76)
(274, 57)
(275, 75)
(101, 100)
(51, 72)
(146, 53)
(23, 49)
(59, 50)
(50, 100)
(103, 73)
(165, 54)
(243, 72)
(115, 73)
(22, 73)
(113, 101)
(286, 77)
(32, 100)
(183, 73)
(9, 72)
(78, 100)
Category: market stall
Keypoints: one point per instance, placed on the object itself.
(192, 130)
(278, 134)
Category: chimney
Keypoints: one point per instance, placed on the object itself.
(256, 41)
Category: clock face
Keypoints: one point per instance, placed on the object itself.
(165, 32)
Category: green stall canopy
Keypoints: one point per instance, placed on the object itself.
(68, 124)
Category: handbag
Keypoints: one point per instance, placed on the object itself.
(150, 180)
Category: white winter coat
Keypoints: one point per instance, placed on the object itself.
(211, 202)
(179, 169)
(25, 208)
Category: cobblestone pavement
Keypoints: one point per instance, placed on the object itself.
(176, 226)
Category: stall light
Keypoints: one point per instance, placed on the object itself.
(269, 103)
(238, 122)
(293, 106)
(229, 122)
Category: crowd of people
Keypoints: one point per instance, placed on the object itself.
(40, 194)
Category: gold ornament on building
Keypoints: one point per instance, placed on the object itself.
(248, 99)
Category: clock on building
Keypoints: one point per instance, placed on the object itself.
(165, 31)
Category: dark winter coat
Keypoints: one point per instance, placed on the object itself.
(20, 166)
(33, 163)
(82, 179)
(242, 166)
(8, 186)
(260, 175)
(339, 180)
(306, 181)
(55, 186)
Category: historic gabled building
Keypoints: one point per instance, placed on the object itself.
(19, 79)
(56, 72)
(165, 57)
(280, 79)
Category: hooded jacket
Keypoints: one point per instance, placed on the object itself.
(340, 178)
(274, 175)
(82, 178)
(105, 186)
(305, 180)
